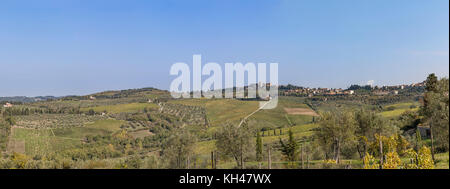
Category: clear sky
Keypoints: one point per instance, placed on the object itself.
(64, 47)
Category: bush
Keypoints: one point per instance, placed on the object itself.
(19, 160)
(390, 108)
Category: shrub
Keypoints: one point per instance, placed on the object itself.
(390, 108)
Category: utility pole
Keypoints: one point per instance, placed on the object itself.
(301, 146)
(216, 157)
(432, 142)
(242, 158)
(269, 160)
(307, 161)
(381, 153)
(212, 159)
(188, 162)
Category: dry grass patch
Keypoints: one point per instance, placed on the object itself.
(300, 111)
(17, 146)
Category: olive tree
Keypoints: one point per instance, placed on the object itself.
(236, 142)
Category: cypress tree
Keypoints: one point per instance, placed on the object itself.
(258, 147)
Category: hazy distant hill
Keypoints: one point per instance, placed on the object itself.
(143, 92)
(25, 99)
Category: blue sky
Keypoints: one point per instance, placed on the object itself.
(63, 47)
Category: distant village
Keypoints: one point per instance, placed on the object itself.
(292, 90)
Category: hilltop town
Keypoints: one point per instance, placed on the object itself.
(292, 90)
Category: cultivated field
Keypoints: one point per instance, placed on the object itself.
(300, 111)
(120, 108)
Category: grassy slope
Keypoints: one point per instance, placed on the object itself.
(276, 118)
(399, 109)
(51, 140)
(42, 141)
(108, 124)
(442, 161)
(220, 111)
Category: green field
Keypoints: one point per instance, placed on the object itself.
(399, 108)
(405, 105)
(108, 124)
(220, 111)
(278, 118)
(119, 108)
(43, 141)
(52, 140)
